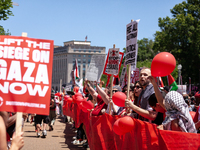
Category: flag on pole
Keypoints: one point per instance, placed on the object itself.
(160, 82)
(75, 69)
(172, 83)
(85, 38)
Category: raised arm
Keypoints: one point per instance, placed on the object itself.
(151, 115)
(103, 95)
(158, 94)
(92, 92)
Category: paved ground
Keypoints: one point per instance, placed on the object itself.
(58, 139)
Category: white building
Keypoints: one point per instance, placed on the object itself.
(64, 59)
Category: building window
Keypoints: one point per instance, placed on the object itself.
(85, 51)
(84, 56)
(99, 51)
(79, 50)
(84, 60)
(94, 51)
(79, 61)
(79, 55)
(74, 50)
(89, 51)
(74, 55)
(88, 61)
(89, 56)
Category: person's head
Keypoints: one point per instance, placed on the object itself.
(137, 89)
(166, 89)
(116, 88)
(52, 95)
(124, 90)
(144, 74)
(154, 104)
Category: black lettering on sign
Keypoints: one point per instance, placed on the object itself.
(128, 30)
(134, 27)
(111, 66)
(131, 36)
(130, 48)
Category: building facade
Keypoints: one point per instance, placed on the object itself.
(64, 59)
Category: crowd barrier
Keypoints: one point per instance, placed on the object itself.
(100, 135)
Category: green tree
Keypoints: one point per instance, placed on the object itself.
(5, 11)
(180, 35)
(3, 32)
(145, 51)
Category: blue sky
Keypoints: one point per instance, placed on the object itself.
(102, 21)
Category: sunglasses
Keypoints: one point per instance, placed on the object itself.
(114, 90)
(137, 87)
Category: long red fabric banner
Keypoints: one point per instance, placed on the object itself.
(100, 134)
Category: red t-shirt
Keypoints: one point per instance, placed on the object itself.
(99, 107)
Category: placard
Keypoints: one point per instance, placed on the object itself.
(122, 75)
(135, 75)
(95, 69)
(131, 43)
(121, 56)
(25, 74)
(113, 61)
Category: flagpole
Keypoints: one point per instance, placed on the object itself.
(111, 88)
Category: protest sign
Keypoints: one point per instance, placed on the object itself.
(68, 88)
(113, 61)
(105, 71)
(95, 68)
(122, 75)
(131, 43)
(135, 75)
(25, 74)
(182, 89)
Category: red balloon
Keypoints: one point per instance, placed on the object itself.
(126, 124)
(78, 94)
(78, 99)
(88, 104)
(117, 129)
(119, 99)
(76, 89)
(69, 100)
(66, 97)
(163, 64)
(192, 113)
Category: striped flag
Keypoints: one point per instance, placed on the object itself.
(172, 83)
(75, 68)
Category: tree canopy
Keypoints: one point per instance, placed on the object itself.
(180, 35)
(5, 11)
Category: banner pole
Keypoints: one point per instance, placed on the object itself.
(111, 88)
(18, 125)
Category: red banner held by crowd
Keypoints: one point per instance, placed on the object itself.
(25, 74)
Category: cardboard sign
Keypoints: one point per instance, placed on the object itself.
(25, 74)
(131, 43)
(113, 61)
(121, 55)
(182, 89)
(68, 88)
(122, 75)
(135, 75)
(95, 68)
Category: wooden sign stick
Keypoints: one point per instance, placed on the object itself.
(18, 125)
(111, 88)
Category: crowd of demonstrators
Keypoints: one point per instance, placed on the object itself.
(169, 110)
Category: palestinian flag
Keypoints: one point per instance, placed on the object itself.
(172, 83)
(75, 68)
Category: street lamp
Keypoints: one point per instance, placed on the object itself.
(179, 74)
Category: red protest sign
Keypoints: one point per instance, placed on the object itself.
(121, 55)
(25, 74)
